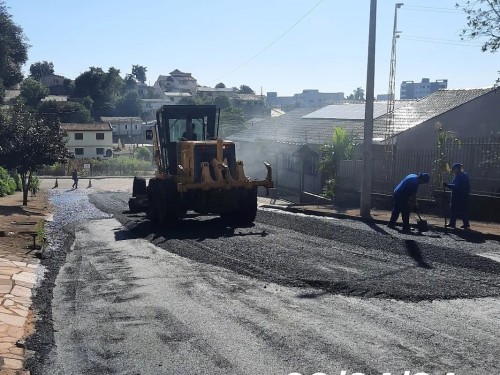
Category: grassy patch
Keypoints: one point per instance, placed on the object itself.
(40, 233)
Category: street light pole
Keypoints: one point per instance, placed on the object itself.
(366, 185)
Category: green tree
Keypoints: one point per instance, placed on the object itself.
(103, 88)
(129, 104)
(340, 148)
(41, 69)
(143, 153)
(27, 144)
(232, 120)
(64, 112)
(244, 89)
(88, 102)
(220, 85)
(69, 86)
(130, 82)
(13, 49)
(113, 84)
(222, 102)
(483, 20)
(139, 72)
(359, 94)
(33, 91)
(91, 83)
(447, 141)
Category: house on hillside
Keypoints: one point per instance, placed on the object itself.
(306, 99)
(176, 81)
(55, 84)
(149, 106)
(89, 140)
(127, 129)
(214, 92)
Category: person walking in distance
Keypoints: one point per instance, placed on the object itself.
(460, 188)
(74, 176)
(405, 197)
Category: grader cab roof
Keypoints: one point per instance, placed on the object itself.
(166, 114)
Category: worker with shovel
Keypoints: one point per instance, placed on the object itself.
(405, 194)
(459, 206)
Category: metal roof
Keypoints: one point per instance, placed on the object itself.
(351, 111)
(298, 127)
(425, 109)
(99, 126)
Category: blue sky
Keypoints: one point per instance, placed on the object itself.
(258, 43)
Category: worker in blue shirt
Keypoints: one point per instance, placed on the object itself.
(405, 196)
(460, 188)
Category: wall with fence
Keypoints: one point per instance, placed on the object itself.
(105, 167)
(480, 157)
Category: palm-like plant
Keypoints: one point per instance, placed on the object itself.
(341, 148)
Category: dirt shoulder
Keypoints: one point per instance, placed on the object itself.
(18, 222)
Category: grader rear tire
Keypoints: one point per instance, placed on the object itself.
(163, 202)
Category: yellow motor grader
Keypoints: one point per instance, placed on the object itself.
(196, 170)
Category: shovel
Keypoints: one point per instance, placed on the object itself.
(421, 224)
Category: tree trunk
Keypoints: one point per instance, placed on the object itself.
(26, 186)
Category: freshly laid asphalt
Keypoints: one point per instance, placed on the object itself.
(480, 231)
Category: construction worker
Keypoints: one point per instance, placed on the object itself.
(460, 188)
(74, 177)
(405, 197)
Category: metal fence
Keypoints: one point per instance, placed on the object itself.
(480, 157)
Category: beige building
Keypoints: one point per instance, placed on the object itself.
(88, 141)
(176, 81)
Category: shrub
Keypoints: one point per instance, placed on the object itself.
(143, 153)
(17, 179)
(34, 184)
(7, 183)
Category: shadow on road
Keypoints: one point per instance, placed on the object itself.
(415, 252)
(186, 229)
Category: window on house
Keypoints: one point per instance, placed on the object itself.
(79, 151)
(99, 151)
(135, 126)
(311, 165)
(78, 136)
(288, 163)
(99, 136)
(172, 98)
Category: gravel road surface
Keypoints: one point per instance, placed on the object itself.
(290, 294)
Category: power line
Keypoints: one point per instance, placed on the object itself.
(270, 44)
(433, 9)
(444, 41)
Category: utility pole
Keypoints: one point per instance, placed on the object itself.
(389, 124)
(366, 184)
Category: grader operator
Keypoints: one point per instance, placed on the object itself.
(196, 170)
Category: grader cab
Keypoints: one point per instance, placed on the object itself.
(196, 170)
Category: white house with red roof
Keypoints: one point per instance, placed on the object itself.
(89, 141)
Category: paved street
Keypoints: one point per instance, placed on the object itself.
(293, 293)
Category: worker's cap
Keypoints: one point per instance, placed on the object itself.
(425, 177)
(456, 165)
